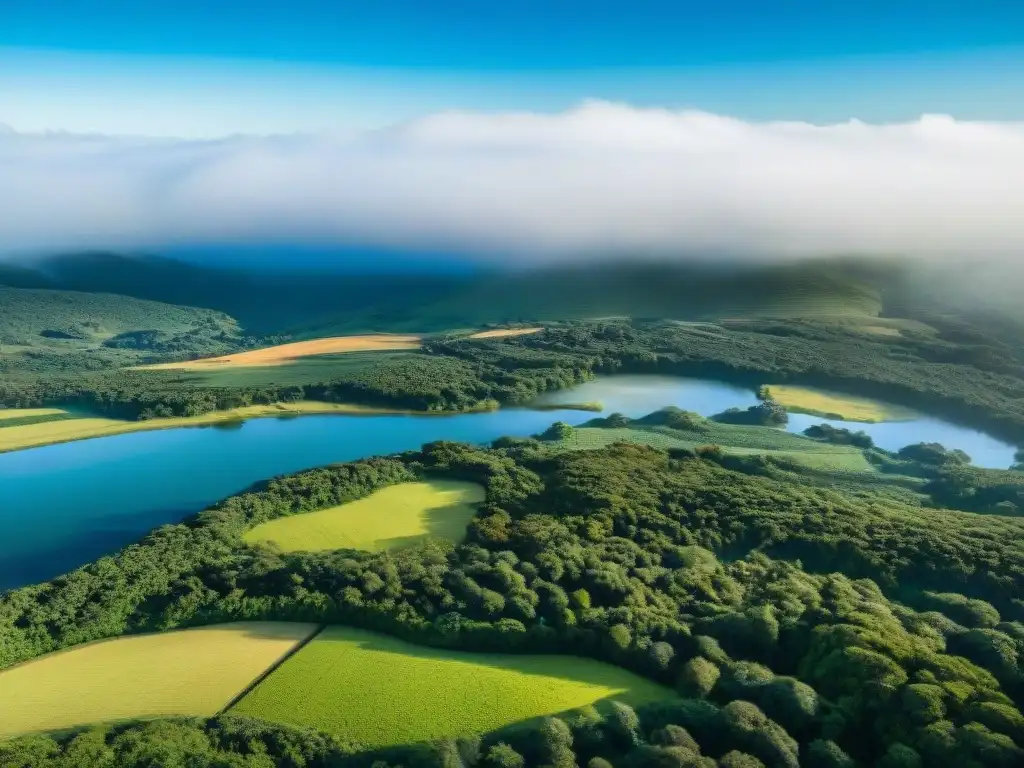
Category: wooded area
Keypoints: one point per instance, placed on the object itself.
(798, 624)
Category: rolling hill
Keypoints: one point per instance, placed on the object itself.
(310, 304)
(55, 329)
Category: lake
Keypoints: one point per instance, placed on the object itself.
(64, 505)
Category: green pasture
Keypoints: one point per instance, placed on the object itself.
(377, 691)
(390, 518)
(737, 440)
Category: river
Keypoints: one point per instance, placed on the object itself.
(64, 505)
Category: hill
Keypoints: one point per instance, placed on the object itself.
(49, 330)
(311, 304)
(660, 291)
(262, 302)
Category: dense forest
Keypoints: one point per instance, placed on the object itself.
(800, 625)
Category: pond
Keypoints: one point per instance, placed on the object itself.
(64, 505)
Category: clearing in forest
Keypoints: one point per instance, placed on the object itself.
(283, 354)
(392, 517)
(835, 405)
(186, 672)
(378, 691)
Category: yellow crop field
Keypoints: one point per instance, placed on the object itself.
(186, 672)
(285, 353)
(8, 414)
(378, 691)
(836, 405)
(389, 518)
(502, 333)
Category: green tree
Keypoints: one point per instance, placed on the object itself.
(827, 754)
(501, 755)
(737, 759)
(698, 676)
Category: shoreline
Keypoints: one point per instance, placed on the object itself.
(70, 430)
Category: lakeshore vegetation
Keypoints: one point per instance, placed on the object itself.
(62, 426)
(833, 405)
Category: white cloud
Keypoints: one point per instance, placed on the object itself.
(599, 179)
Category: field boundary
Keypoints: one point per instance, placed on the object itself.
(270, 670)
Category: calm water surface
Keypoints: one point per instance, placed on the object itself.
(64, 505)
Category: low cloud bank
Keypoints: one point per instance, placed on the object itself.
(601, 179)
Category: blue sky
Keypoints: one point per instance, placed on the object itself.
(200, 69)
(529, 129)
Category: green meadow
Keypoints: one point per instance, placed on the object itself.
(387, 519)
(739, 440)
(378, 691)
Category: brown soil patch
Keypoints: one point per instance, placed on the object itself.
(284, 353)
(504, 332)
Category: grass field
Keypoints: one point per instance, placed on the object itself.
(188, 672)
(814, 455)
(387, 519)
(378, 691)
(836, 405)
(285, 353)
(82, 426)
(17, 414)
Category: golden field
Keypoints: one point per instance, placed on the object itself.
(185, 672)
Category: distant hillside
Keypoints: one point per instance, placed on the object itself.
(45, 330)
(261, 302)
(308, 304)
(659, 291)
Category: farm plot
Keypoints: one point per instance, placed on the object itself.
(299, 372)
(281, 354)
(377, 691)
(390, 518)
(187, 672)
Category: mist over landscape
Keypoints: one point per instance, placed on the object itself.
(511, 385)
(601, 181)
